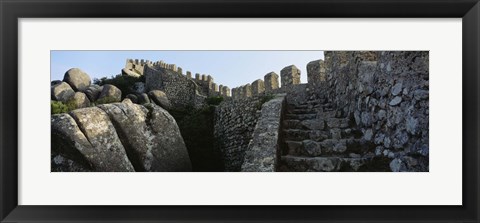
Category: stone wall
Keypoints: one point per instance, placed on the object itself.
(387, 95)
(263, 151)
(181, 88)
(235, 121)
(182, 92)
(137, 65)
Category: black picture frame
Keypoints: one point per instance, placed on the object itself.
(12, 10)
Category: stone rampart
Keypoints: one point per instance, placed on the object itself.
(181, 91)
(181, 88)
(384, 96)
(263, 151)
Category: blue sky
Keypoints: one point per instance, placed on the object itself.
(230, 68)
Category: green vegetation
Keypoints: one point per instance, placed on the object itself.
(58, 107)
(215, 100)
(122, 82)
(264, 99)
(196, 127)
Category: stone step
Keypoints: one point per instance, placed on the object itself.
(327, 147)
(321, 164)
(300, 116)
(307, 124)
(292, 124)
(326, 114)
(331, 122)
(303, 111)
(308, 104)
(337, 122)
(300, 135)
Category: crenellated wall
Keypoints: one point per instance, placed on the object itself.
(384, 95)
(206, 83)
(181, 89)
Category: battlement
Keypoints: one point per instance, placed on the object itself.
(290, 76)
(204, 84)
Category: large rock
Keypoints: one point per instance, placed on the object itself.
(85, 140)
(62, 92)
(118, 137)
(143, 99)
(70, 147)
(108, 152)
(109, 94)
(78, 79)
(80, 100)
(55, 82)
(150, 135)
(160, 98)
(93, 91)
(132, 98)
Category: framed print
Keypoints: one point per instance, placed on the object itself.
(225, 111)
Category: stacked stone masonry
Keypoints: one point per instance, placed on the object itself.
(359, 111)
(234, 124)
(180, 88)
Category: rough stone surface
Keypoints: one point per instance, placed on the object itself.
(77, 79)
(234, 124)
(71, 150)
(143, 99)
(55, 82)
(271, 82)
(290, 76)
(62, 92)
(359, 111)
(102, 139)
(133, 98)
(316, 72)
(93, 91)
(80, 100)
(247, 90)
(160, 98)
(387, 94)
(130, 72)
(181, 91)
(375, 109)
(263, 150)
(395, 101)
(88, 137)
(155, 143)
(110, 93)
(258, 87)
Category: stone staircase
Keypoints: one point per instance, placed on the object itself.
(317, 138)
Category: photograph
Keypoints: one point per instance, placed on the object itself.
(239, 111)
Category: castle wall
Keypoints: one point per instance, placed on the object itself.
(387, 96)
(181, 91)
(203, 85)
(235, 121)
